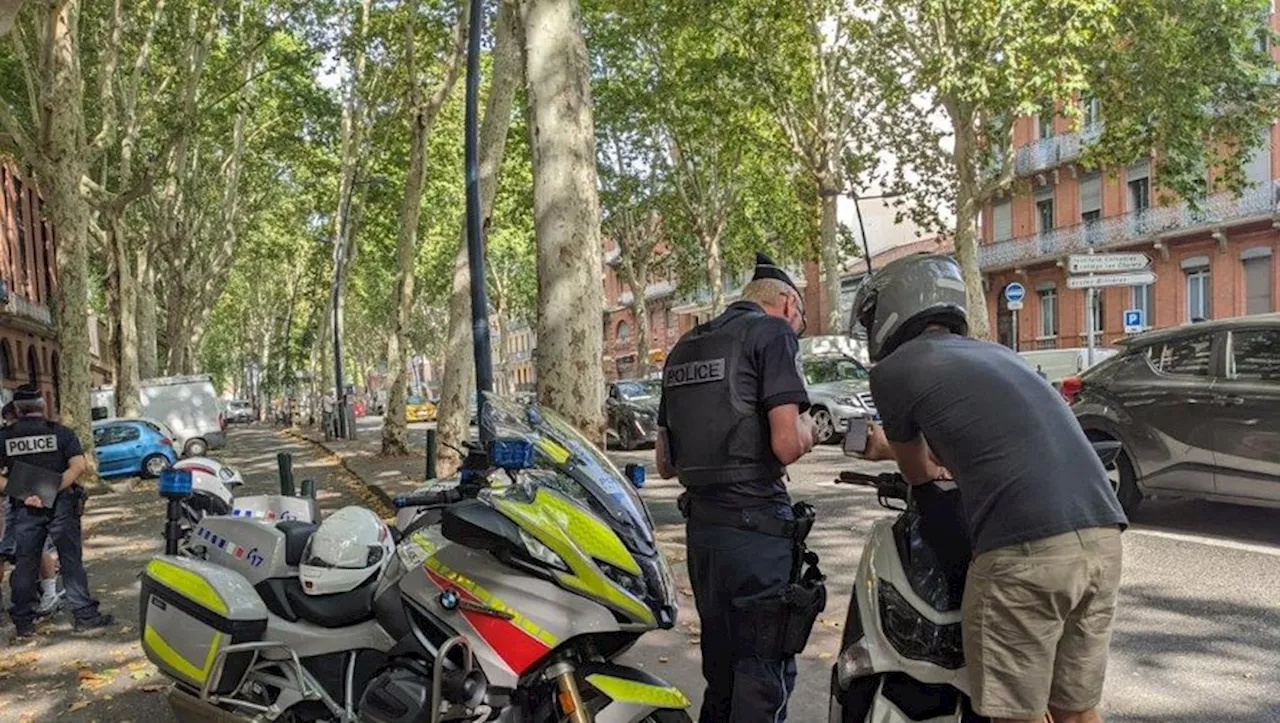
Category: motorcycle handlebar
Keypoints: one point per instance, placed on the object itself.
(887, 484)
(427, 499)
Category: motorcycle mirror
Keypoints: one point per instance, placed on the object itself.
(636, 473)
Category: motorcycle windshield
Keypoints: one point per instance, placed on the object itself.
(565, 449)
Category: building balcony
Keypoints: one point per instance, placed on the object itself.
(656, 290)
(30, 315)
(1049, 153)
(1132, 228)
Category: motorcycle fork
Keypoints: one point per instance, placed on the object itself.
(568, 695)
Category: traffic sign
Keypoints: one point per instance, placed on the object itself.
(1106, 263)
(1015, 292)
(1133, 278)
(1014, 306)
(1133, 321)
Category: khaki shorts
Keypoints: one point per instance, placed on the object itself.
(1037, 623)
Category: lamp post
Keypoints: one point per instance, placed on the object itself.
(346, 429)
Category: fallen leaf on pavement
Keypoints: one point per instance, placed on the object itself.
(824, 656)
(663, 659)
(686, 592)
(152, 688)
(140, 674)
(78, 705)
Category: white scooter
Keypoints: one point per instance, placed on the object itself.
(901, 658)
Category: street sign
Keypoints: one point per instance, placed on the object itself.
(1133, 321)
(1106, 263)
(1133, 278)
(1014, 306)
(1015, 292)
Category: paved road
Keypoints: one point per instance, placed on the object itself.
(1197, 641)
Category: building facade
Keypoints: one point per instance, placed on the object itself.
(28, 269)
(1212, 260)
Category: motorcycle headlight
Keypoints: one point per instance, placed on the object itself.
(915, 636)
(623, 579)
(541, 552)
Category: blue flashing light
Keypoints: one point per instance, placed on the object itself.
(175, 483)
(511, 454)
(636, 473)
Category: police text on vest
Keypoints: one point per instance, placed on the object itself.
(31, 445)
(695, 372)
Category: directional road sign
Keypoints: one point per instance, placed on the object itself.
(1133, 278)
(1133, 321)
(1106, 263)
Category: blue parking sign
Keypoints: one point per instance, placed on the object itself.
(1134, 321)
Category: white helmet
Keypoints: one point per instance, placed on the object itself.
(212, 477)
(349, 547)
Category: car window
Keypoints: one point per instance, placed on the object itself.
(1183, 357)
(635, 391)
(114, 434)
(128, 433)
(821, 371)
(1255, 355)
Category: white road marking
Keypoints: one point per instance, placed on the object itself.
(1261, 549)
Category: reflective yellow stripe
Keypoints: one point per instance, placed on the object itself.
(186, 583)
(154, 642)
(632, 691)
(553, 449)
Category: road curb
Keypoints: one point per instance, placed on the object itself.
(383, 498)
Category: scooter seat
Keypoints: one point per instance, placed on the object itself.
(296, 536)
(332, 611)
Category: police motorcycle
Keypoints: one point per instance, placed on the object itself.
(507, 596)
(214, 485)
(901, 657)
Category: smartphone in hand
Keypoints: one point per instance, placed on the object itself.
(855, 439)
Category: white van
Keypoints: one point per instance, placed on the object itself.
(187, 405)
(1058, 364)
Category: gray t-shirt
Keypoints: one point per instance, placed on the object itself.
(1024, 467)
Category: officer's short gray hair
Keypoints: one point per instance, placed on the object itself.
(766, 292)
(28, 406)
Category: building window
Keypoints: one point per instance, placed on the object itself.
(1091, 109)
(1044, 215)
(1097, 320)
(1048, 311)
(1044, 121)
(33, 364)
(6, 360)
(1258, 278)
(19, 218)
(1139, 187)
(1002, 221)
(1199, 305)
(1143, 299)
(624, 331)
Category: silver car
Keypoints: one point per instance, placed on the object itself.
(839, 391)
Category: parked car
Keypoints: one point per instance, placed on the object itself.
(419, 409)
(839, 390)
(1058, 364)
(632, 407)
(239, 411)
(187, 405)
(1195, 409)
(132, 447)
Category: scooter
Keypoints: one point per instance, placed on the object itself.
(513, 589)
(901, 659)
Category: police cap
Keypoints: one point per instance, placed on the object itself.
(27, 393)
(767, 269)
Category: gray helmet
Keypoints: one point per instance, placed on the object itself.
(899, 300)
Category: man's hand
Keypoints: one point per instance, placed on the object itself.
(877, 449)
(75, 467)
(33, 501)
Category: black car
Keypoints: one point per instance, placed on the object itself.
(1196, 409)
(632, 406)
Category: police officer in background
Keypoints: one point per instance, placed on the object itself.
(33, 444)
(733, 414)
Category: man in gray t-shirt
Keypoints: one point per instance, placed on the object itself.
(1044, 521)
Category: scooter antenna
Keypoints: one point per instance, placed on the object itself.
(475, 230)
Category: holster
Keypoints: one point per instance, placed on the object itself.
(82, 498)
(779, 627)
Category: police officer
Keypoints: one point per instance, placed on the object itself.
(733, 414)
(51, 596)
(35, 443)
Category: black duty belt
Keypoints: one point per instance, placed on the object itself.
(756, 519)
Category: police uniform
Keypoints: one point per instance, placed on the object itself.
(745, 539)
(34, 442)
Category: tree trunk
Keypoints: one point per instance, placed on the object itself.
(566, 212)
(831, 266)
(501, 374)
(453, 412)
(424, 110)
(640, 310)
(126, 323)
(715, 274)
(967, 228)
(146, 322)
(65, 152)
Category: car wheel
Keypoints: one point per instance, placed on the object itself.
(155, 464)
(1124, 480)
(196, 448)
(826, 426)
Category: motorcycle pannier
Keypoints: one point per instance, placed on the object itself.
(190, 611)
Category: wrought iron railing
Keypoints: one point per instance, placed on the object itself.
(1047, 153)
(1131, 227)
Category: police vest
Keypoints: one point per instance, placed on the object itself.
(34, 442)
(714, 436)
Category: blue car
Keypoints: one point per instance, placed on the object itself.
(132, 447)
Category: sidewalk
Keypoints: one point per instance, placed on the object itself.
(386, 477)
